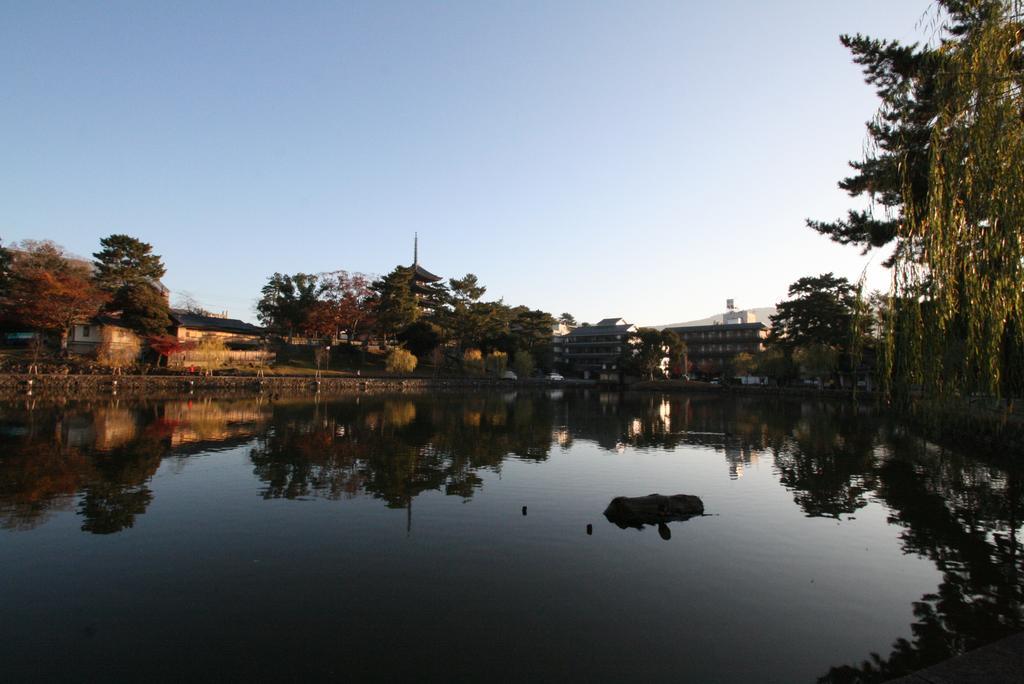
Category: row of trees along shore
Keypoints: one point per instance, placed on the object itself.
(450, 323)
(44, 289)
(944, 176)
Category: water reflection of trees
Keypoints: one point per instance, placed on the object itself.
(97, 458)
(43, 472)
(820, 450)
(395, 449)
(962, 513)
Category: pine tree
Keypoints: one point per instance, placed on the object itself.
(907, 80)
(396, 302)
(128, 270)
(143, 308)
(819, 311)
(124, 262)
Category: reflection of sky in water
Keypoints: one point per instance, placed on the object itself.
(291, 539)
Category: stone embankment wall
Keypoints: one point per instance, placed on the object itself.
(85, 386)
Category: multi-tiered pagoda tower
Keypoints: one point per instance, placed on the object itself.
(423, 280)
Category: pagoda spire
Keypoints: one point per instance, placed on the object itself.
(415, 249)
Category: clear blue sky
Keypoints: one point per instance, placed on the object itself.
(636, 159)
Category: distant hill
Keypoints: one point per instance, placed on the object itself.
(763, 314)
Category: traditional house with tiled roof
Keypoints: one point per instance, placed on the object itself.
(243, 342)
(234, 333)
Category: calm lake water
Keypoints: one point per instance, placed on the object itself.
(445, 536)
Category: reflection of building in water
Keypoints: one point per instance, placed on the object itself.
(113, 427)
(212, 421)
(740, 457)
(665, 413)
(561, 436)
(77, 431)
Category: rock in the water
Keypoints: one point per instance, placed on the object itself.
(652, 509)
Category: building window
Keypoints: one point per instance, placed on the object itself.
(86, 330)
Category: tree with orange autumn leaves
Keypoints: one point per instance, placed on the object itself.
(344, 304)
(48, 292)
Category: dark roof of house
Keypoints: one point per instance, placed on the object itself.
(723, 327)
(420, 273)
(185, 319)
(608, 326)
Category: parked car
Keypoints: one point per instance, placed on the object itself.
(555, 377)
(509, 375)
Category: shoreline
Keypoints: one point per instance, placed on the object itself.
(980, 423)
(19, 386)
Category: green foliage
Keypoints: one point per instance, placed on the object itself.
(421, 338)
(966, 280)
(894, 173)
(401, 361)
(820, 311)
(421, 316)
(466, 289)
(471, 323)
(127, 268)
(773, 363)
(816, 360)
(462, 317)
(648, 352)
(124, 262)
(644, 353)
(530, 328)
(286, 301)
(675, 350)
(523, 364)
(397, 307)
(946, 166)
(567, 319)
(143, 308)
(821, 329)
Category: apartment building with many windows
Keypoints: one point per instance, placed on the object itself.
(590, 349)
(709, 347)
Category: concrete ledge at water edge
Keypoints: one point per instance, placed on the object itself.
(652, 509)
(1001, 662)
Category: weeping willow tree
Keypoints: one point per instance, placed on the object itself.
(957, 321)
